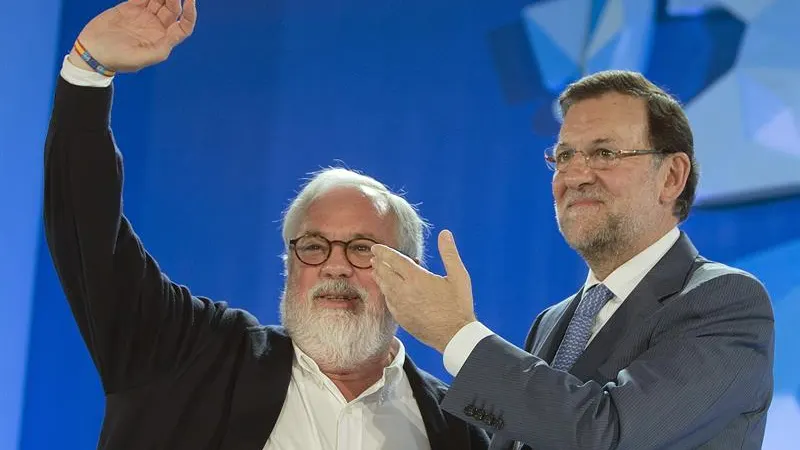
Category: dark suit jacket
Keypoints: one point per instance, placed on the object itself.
(178, 371)
(685, 362)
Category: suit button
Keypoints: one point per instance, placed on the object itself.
(489, 420)
(498, 424)
(469, 410)
(480, 414)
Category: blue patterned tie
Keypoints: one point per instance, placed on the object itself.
(580, 327)
(578, 332)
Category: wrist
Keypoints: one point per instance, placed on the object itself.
(452, 332)
(75, 59)
(83, 57)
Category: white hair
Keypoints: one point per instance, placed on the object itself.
(410, 227)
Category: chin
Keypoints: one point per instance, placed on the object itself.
(338, 338)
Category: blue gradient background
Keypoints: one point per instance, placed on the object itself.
(449, 101)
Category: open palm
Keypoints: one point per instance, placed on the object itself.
(138, 33)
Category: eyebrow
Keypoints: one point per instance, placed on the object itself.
(604, 140)
(352, 236)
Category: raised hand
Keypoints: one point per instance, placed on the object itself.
(136, 33)
(430, 307)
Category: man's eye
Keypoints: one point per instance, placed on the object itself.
(605, 153)
(565, 155)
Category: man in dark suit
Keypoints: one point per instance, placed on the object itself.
(659, 349)
(183, 372)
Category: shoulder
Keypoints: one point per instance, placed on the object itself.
(719, 272)
(716, 291)
(715, 280)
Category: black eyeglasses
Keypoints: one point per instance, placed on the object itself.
(598, 159)
(313, 249)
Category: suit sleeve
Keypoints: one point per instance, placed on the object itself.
(709, 361)
(136, 323)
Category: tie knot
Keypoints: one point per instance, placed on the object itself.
(593, 300)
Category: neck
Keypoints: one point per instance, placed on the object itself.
(603, 263)
(352, 382)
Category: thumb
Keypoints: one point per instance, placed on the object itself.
(452, 260)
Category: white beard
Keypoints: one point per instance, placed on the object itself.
(338, 339)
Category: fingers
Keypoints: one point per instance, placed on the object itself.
(169, 12)
(450, 258)
(183, 28)
(174, 6)
(389, 282)
(396, 261)
(386, 279)
(154, 5)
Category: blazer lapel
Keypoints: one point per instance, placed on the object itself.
(666, 278)
(261, 389)
(428, 398)
(562, 313)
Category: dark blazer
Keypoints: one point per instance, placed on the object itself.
(179, 371)
(685, 362)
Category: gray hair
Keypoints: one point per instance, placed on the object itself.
(410, 227)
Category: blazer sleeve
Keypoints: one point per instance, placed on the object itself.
(136, 323)
(709, 361)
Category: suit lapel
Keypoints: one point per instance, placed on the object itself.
(562, 313)
(666, 278)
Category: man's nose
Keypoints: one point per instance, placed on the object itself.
(578, 173)
(337, 265)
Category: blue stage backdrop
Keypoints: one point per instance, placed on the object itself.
(451, 102)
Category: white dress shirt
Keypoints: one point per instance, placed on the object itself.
(315, 414)
(620, 282)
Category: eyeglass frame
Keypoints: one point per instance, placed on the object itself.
(552, 164)
(345, 244)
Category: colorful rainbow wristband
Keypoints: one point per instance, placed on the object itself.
(93, 63)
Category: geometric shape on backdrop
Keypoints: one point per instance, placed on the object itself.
(704, 46)
(747, 10)
(782, 424)
(515, 65)
(761, 158)
(548, 18)
(689, 7)
(734, 166)
(556, 66)
(772, 38)
(760, 104)
(737, 66)
(781, 133)
(610, 24)
(622, 37)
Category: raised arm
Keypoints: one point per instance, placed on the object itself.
(136, 323)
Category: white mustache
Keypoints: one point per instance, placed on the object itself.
(337, 288)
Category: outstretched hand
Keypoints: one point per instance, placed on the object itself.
(137, 33)
(430, 307)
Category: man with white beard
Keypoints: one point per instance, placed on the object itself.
(182, 372)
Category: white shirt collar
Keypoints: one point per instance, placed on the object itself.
(393, 373)
(626, 277)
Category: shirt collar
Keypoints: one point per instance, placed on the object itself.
(626, 277)
(392, 374)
